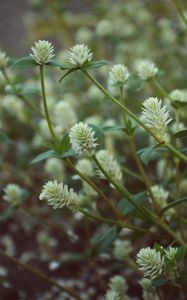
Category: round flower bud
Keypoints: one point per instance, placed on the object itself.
(85, 167)
(178, 95)
(43, 52)
(54, 168)
(58, 195)
(146, 69)
(79, 55)
(64, 115)
(150, 262)
(119, 285)
(3, 60)
(156, 118)
(118, 75)
(109, 164)
(122, 249)
(13, 194)
(82, 139)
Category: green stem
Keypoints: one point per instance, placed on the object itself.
(180, 11)
(40, 275)
(55, 140)
(92, 184)
(143, 173)
(161, 89)
(132, 174)
(21, 97)
(133, 116)
(174, 203)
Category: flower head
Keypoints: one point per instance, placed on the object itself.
(150, 262)
(85, 166)
(65, 115)
(160, 195)
(3, 60)
(171, 253)
(82, 139)
(112, 295)
(13, 194)
(156, 118)
(122, 249)
(79, 55)
(43, 51)
(146, 69)
(54, 168)
(58, 195)
(118, 74)
(109, 164)
(119, 285)
(178, 95)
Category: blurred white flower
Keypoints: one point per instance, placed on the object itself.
(64, 115)
(13, 194)
(146, 69)
(112, 295)
(118, 74)
(3, 60)
(54, 168)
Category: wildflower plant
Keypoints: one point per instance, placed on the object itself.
(104, 145)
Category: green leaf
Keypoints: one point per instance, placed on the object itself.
(135, 84)
(159, 248)
(127, 208)
(112, 128)
(4, 137)
(7, 213)
(159, 281)
(29, 91)
(97, 64)
(72, 257)
(69, 153)
(103, 242)
(180, 134)
(54, 63)
(45, 155)
(24, 63)
(68, 72)
(64, 145)
(149, 153)
(180, 254)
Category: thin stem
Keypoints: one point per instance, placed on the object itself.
(143, 173)
(92, 184)
(180, 11)
(55, 140)
(40, 275)
(132, 174)
(133, 116)
(161, 89)
(174, 203)
(21, 97)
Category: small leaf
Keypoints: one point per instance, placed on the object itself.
(159, 248)
(150, 153)
(54, 63)
(180, 134)
(24, 63)
(127, 208)
(68, 72)
(112, 128)
(69, 153)
(45, 155)
(64, 145)
(160, 281)
(4, 137)
(7, 213)
(103, 242)
(135, 84)
(72, 257)
(180, 254)
(97, 64)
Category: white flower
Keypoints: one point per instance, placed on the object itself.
(85, 167)
(15, 107)
(150, 262)
(119, 285)
(122, 249)
(58, 195)
(82, 139)
(156, 118)
(79, 55)
(118, 74)
(171, 253)
(112, 295)
(64, 115)
(3, 60)
(13, 194)
(160, 195)
(54, 168)
(43, 51)
(178, 95)
(109, 164)
(146, 69)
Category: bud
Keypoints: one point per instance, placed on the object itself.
(43, 51)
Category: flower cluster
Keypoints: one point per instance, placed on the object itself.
(112, 295)
(13, 194)
(79, 55)
(156, 118)
(146, 69)
(150, 262)
(118, 75)
(82, 139)
(58, 195)
(43, 52)
(109, 164)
